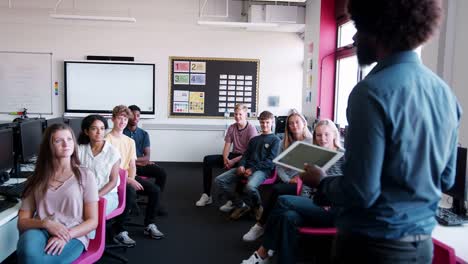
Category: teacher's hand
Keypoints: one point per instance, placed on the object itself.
(312, 175)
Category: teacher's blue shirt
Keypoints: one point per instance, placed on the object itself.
(401, 148)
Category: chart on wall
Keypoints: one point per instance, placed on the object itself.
(211, 87)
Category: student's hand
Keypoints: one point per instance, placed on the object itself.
(229, 164)
(54, 246)
(294, 179)
(57, 229)
(240, 171)
(136, 185)
(312, 175)
(248, 172)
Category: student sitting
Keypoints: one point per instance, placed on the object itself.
(60, 203)
(100, 157)
(237, 135)
(126, 147)
(255, 166)
(144, 167)
(296, 130)
(291, 212)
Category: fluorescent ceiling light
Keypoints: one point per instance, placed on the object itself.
(93, 18)
(237, 24)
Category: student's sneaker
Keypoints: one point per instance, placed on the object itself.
(239, 212)
(124, 239)
(152, 231)
(227, 207)
(255, 259)
(254, 233)
(204, 200)
(258, 211)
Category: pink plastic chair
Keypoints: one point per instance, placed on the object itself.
(272, 179)
(122, 192)
(443, 254)
(318, 231)
(96, 245)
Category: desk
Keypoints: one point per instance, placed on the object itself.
(8, 226)
(455, 237)
(8, 231)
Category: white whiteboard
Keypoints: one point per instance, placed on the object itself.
(26, 82)
(96, 87)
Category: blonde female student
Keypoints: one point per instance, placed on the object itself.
(60, 203)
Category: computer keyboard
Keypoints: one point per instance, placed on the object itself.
(448, 218)
(5, 204)
(13, 190)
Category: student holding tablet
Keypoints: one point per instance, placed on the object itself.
(292, 211)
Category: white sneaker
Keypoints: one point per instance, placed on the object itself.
(123, 238)
(204, 200)
(152, 231)
(254, 233)
(227, 207)
(255, 259)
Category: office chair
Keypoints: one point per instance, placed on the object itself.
(280, 124)
(97, 244)
(443, 254)
(122, 192)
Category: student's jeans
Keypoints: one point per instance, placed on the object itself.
(290, 213)
(31, 245)
(210, 162)
(229, 181)
(367, 250)
(276, 191)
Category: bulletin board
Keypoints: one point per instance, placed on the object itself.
(211, 87)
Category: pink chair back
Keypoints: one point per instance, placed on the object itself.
(122, 192)
(443, 254)
(317, 231)
(96, 245)
(272, 179)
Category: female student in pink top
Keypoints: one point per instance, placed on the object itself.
(60, 203)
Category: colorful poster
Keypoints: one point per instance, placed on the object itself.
(197, 79)
(197, 102)
(198, 66)
(181, 96)
(180, 107)
(181, 66)
(181, 78)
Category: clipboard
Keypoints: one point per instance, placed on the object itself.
(300, 152)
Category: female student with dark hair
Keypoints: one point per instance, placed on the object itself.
(100, 157)
(60, 203)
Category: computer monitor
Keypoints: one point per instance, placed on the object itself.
(30, 137)
(75, 125)
(280, 124)
(7, 150)
(459, 190)
(56, 120)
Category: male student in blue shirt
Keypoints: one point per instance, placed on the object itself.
(401, 143)
(145, 167)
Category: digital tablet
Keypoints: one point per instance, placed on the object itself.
(300, 152)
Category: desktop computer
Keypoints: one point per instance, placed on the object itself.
(28, 140)
(7, 154)
(57, 120)
(75, 125)
(459, 190)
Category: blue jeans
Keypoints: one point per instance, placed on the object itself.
(290, 213)
(228, 181)
(31, 247)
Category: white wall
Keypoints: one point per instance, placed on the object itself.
(164, 28)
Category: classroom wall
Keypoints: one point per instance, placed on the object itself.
(164, 28)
